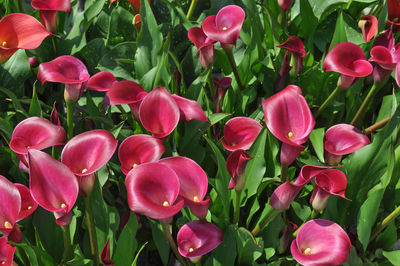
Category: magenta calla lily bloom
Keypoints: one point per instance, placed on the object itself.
(197, 238)
(101, 81)
(222, 86)
(53, 186)
(28, 204)
(138, 149)
(290, 120)
(204, 45)
(283, 72)
(159, 113)
(236, 166)
(349, 60)
(225, 27)
(193, 183)
(10, 205)
(240, 133)
(153, 189)
(394, 14)
(285, 4)
(68, 70)
(48, 11)
(369, 26)
(33, 62)
(283, 195)
(327, 183)
(20, 31)
(86, 153)
(105, 255)
(321, 242)
(6, 252)
(294, 45)
(189, 109)
(342, 139)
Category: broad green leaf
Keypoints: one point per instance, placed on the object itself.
(15, 71)
(34, 108)
(159, 240)
(339, 35)
(317, 140)
(387, 238)
(5, 129)
(248, 250)
(271, 154)
(93, 8)
(393, 256)
(76, 38)
(29, 252)
(217, 117)
(127, 244)
(308, 22)
(121, 28)
(92, 53)
(225, 253)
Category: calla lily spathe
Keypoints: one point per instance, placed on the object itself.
(6, 252)
(240, 133)
(204, 45)
(101, 81)
(236, 166)
(294, 45)
(369, 26)
(10, 205)
(48, 11)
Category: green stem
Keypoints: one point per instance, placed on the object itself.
(364, 105)
(211, 83)
(327, 101)
(314, 214)
(234, 68)
(168, 236)
(67, 242)
(386, 222)
(377, 125)
(236, 207)
(349, 4)
(175, 142)
(92, 230)
(267, 218)
(284, 169)
(191, 9)
(70, 119)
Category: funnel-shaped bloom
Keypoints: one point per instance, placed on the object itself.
(204, 45)
(152, 190)
(137, 22)
(48, 11)
(86, 153)
(236, 166)
(189, 109)
(294, 45)
(101, 81)
(394, 14)
(159, 112)
(321, 242)
(287, 233)
(68, 70)
(289, 119)
(10, 205)
(106, 255)
(342, 139)
(222, 86)
(193, 183)
(240, 133)
(126, 92)
(20, 31)
(283, 195)
(369, 26)
(33, 62)
(138, 149)
(285, 4)
(6, 252)
(28, 204)
(197, 238)
(327, 183)
(225, 27)
(283, 72)
(53, 186)
(347, 59)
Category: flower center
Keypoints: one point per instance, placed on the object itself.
(290, 135)
(165, 204)
(7, 225)
(191, 249)
(134, 165)
(29, 207)
(3, 262)
(224, 28)
(307, 251)
(4, 44)
(196, 199)
(63, 205)
(84, 171)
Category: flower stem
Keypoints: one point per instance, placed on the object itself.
(67, 242)
(364, 105)
(191, 9)
(377, 126)
(267, 218)
(168, 236)
(70, 119)
(386, 222)
(236, 207)
(92, 230)
(284, 169)
(234, 68)
(314, 214)
(327, 101)
(211, 83)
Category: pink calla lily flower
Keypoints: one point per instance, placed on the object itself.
(153, 189)
(138, 149)
(204, 45)
(6, 252)
(240, 133)
(159, 113)
(369, 26)
(342, 139)
(321, 242)
(349, 60)
(193, 183)
(68, 70)
(236, 166)
(294, 45)
(394, 14)
(189, 109)
(10, 205)
(48, 11)
(20, 31)
(283, 72)
(197, 238)
(290, 120)
(53, 186)
(101, 81)
(105, 255)
(28, 204)
(222, 86)
(285, 4)
(225, 27)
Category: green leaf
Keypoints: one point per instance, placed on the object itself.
(248, 250)
(34, 108)
(15, 71)
(225, 253)
(93, 8)
(393, 256)
(160, 240)
(138, 253)
(118, 33)
(127, 244)
(339, 35)
(317, 141)
(217, 117)
(76, 38)
(28, 251)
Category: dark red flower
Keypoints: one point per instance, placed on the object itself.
(294, 45)
(240, 133)
(189, 109)
(105, 255)
(369, 26)
(394, 13)
(285, 4)
(6, 252)
(203, 44)
(48, 11)
(101, 81)
(10, 205)
(28, 204)
(236, 166)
